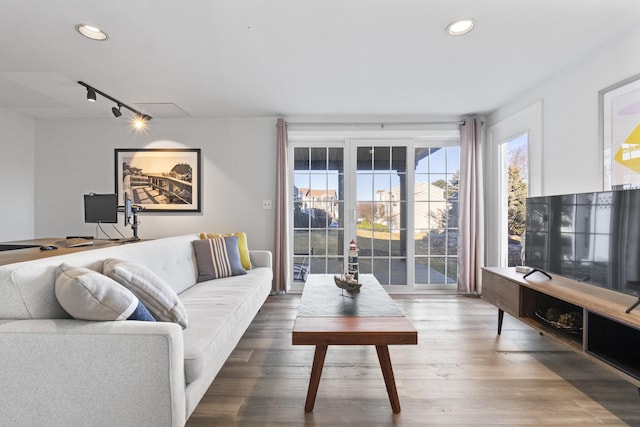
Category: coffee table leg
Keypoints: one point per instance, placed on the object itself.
(314, 381)
(387, 373)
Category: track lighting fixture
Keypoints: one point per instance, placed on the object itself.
(140, 120)
(91, 95)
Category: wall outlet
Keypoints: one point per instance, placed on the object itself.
(266, 204)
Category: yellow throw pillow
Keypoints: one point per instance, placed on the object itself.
(243, 247)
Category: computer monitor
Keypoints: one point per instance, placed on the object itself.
(100, 208)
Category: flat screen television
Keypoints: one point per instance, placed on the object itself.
(101, 208)
(589, 237)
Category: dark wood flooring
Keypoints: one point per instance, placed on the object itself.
(461, 373)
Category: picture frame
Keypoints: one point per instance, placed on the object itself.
(619, 107)
(159, 179)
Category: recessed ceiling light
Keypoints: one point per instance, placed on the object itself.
(91, 32)
(460, 27)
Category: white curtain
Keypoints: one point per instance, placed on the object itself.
(281, 259)
(471, 230)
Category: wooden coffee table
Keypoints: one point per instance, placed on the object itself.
(327, 316)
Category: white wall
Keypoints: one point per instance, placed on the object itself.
(75, 157)
(572, 159)
(17, 145)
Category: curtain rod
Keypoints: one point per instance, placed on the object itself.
(381, 124)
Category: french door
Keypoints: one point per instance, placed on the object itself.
(396, 199)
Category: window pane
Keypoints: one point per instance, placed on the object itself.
(382, 187)
(335, 160)
(438, 270)
(398, 274)
(452, 270)
(453, 159)
(364, 181)
(364, 265)
(381, 158)
(301, 158)
(381, 244)
(365, 158)
(421, 266)
(381, 270)
(300, 242)
(399, 159)
(421, 242)
(335, 265)
(398, 243)
(318, 159)
(335, 242)
(437, 160)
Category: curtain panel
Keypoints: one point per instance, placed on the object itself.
(281, 260)
(471, 230)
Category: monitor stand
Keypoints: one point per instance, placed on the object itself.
(134, 227)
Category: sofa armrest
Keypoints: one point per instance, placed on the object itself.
(80, 373)
(260, 258)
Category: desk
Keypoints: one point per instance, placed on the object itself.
(28, 254)
(328, 317)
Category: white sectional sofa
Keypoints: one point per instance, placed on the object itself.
(58, 371)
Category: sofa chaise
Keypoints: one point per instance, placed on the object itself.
(59, 371)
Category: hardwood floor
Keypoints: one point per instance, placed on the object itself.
(460, 373)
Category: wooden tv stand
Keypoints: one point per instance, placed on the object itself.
(608, 335)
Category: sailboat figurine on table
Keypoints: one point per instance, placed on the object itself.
(347, 282)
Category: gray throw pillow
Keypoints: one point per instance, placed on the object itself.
(88, 295)
(157, 296)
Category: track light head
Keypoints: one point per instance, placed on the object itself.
(91, 95)
(140, 121)
(116, 111)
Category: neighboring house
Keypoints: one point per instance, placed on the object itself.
(430, 205)
(312, 200)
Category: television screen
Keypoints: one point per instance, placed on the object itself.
(101, 208)
(589, 237)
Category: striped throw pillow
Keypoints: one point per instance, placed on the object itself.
(217, 258)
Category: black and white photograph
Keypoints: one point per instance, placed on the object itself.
(159, 179)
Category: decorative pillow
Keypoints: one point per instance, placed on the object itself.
(157, 296)
(218, 257)
(88, 295)
(243, 247)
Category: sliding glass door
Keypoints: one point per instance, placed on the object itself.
(435, 227)
(381, 206)
(318, 211)
(398, 199)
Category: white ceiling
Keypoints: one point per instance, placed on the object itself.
(228, 58)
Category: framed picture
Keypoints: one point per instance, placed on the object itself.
(620, 132)
(167, 179)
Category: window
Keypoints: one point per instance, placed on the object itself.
(515, 185)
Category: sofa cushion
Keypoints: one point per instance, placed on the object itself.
(219, 313)
(157, 296)
(243, 246)
(88, 295)
(217, 257)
